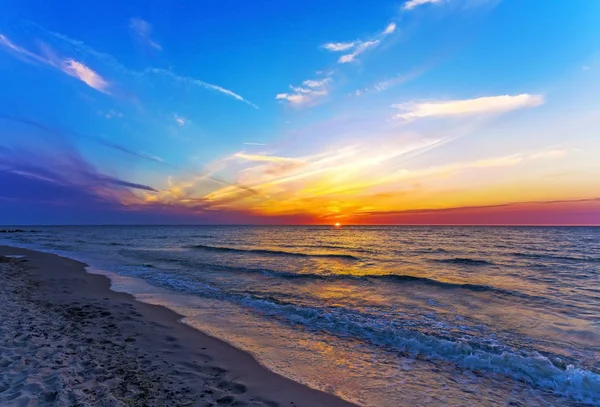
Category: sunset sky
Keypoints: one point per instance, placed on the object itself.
(300, 112)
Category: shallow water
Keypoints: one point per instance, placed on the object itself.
(383, 316)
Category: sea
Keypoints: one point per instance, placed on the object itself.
(379, 315)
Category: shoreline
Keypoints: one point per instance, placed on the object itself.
(86, 343)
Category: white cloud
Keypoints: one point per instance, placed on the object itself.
(358, 50)
(198, 82)
(316, 83)
(390, 29)
(294, 98)
(409, 5)
(85, 74)
(338, 46)
(143, 30)
(313, 90)
(585, 68)
(484, 105)
(180, 120)
(358, 46)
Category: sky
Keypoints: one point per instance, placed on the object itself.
(300, 112)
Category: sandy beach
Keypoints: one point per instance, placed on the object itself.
(66, 339)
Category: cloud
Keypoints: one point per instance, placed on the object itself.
(561, 212)
(143, 30)
(548, 154)
(65, 168)
(409, 5)
(85, 74)
(5, 42)
(180, 120)
(255, 144)
(198, 82)
(397, 80)
(112, 114)
(479, 106)
(97, 139)
(443, 171)
(316, 83)
(362, 47)
(69, 66)
(151, 157)
(358, 46)
(307, 94)
(76, 47)
(338, 46)
(268, 158)
(118, 147)
(389, 29)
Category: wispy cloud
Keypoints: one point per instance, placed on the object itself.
(362, 47)
(111, 114)
(100, 140)
(308, 93)
(76, 47)
(64, 168)
(268, 158)
(409, 5)
(8, 44)
(151, 157)
(85, 74)
(339, 46)
(69, 66)
(197, 82)
(316, 83)
(545, 154)
(478, 106)
(358, 46)
(255, 144)
(143, 29)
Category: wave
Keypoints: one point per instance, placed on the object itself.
(554, 257)
(273, 252)
(466, 353)
(431, 250)
(368, 278)
(465, 261)
(438, 283)
(360, 278)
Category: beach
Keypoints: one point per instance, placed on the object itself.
(376, 316)
(66, 339)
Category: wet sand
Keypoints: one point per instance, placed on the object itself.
(66, 339)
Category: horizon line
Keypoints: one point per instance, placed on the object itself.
(308, 224)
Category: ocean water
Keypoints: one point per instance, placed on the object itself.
(382, 316)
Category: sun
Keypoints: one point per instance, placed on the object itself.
(337, 224)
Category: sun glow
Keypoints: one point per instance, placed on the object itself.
(338, 224)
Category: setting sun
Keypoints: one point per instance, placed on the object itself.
(338, 224)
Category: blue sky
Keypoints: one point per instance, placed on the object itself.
(296, 111)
